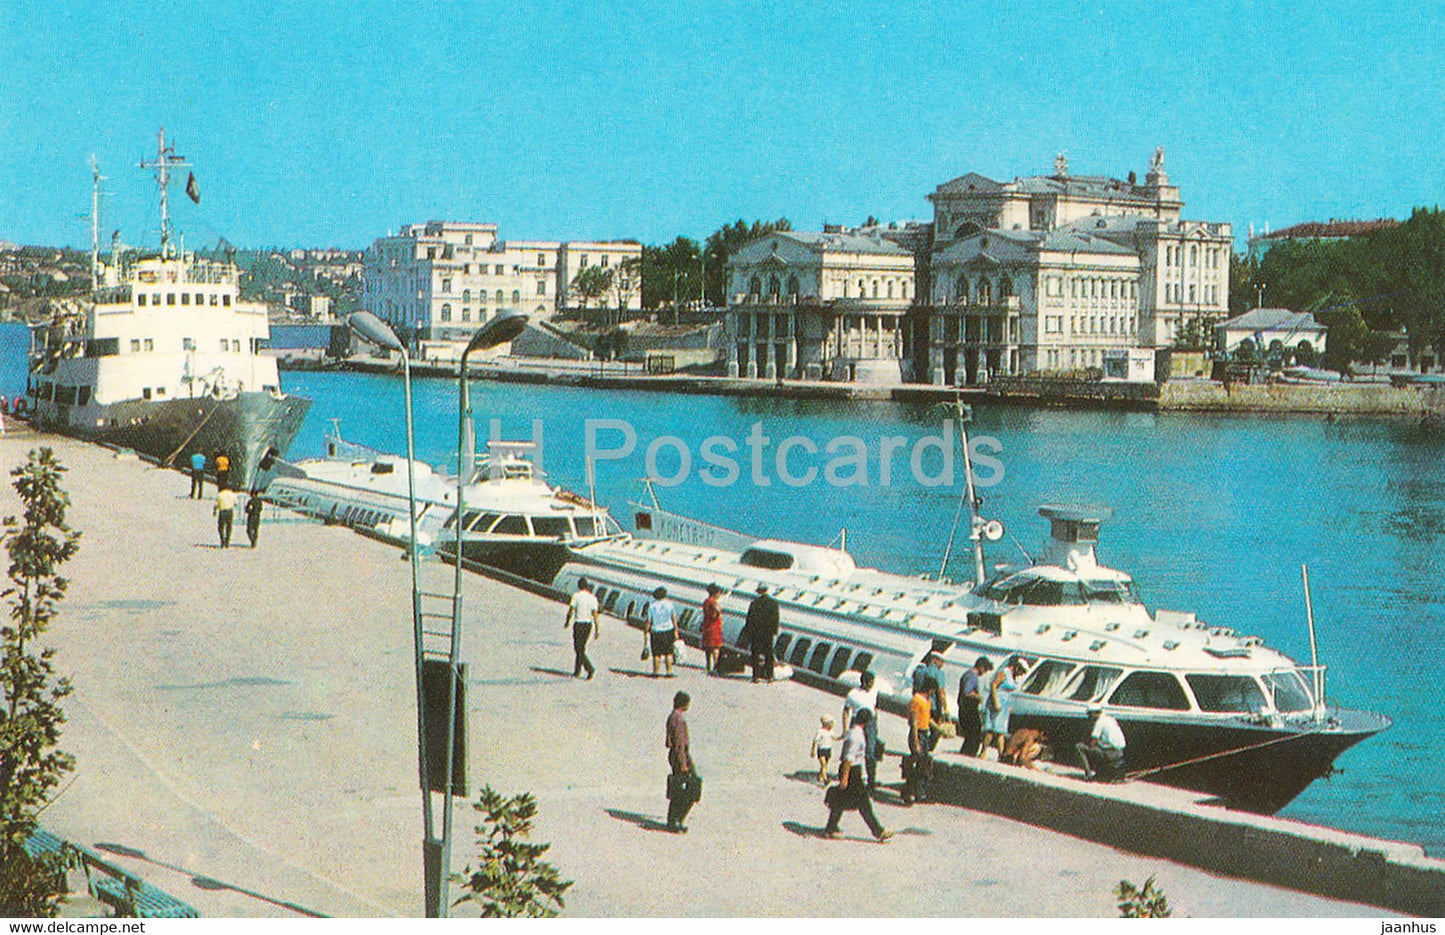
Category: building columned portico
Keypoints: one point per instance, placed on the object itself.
(811, 305)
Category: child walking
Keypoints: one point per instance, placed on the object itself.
(823, 746)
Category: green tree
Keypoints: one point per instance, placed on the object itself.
(511, 879)
(31, 764)
(1148, 902)
(591, 284)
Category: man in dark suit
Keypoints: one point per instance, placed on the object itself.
(762, 627)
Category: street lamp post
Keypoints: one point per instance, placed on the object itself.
(373, 329)
(499, 330)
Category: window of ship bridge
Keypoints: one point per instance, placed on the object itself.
(552, 526)
(1092, 682)
(1048, 677)
(1227, 693)
(1290, 693)
(1151, 690)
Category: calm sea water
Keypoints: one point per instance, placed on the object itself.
(1212, 514)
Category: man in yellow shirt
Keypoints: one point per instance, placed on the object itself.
(919, 765)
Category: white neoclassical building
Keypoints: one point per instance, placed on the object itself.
(1047, 273)
(820, 305)
(442, 279)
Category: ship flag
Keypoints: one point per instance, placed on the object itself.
(193, 191)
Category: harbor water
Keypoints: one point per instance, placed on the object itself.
(1213, 514)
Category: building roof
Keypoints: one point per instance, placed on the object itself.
(845, 242)
(1273, 319)
(1331, 228)
(1076, 186)
(1004, 245)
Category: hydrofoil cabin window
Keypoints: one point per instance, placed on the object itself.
(551, 526)
(820, 656)
(1151, 690)
(863, 662)
(781, 646)
(383, 467)
(1048, 677)
(482, 523)
(1091, 683)
(1289, 691)
(511, 526)
(1227, 693)
(840, 662)
(800, 651)
(587, 526)
(611, 603)
(766, 558)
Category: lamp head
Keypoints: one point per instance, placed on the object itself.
(370, 328)
(498, 331)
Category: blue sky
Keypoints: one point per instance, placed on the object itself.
(320, 124)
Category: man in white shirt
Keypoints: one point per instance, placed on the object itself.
(661, 630)
(865, 698)
(850, 793)
(584, 616)
(1103, 755)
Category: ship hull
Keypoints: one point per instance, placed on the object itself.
(245, 427)
(1254, 768)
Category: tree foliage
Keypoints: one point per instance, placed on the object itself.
(31, 764)
(511, 880)
(592, 283)
(1148, 902)
(1365, 289)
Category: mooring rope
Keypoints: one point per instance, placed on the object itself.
(1212, 756)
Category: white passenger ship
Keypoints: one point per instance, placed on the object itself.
(1202, 707)
(165, 359)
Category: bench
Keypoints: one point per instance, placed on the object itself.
(125, 894)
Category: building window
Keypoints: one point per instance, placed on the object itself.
(446, 286)
(604, 260)
(482, 296)
(516, 296)
(500, 298)
(466, 314)
(582, 263)
(541, 287)
(1053, 286)
(188, 344)
(140, 299)
(185, 298)
(497, 269)
(467, 240)
(541, 259)
(755, 286)
(150, 344)
(135, 345)
(446, 312)
(466, 295)
(226, 300)
(774, 287)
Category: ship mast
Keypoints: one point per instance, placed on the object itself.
(96, 179)
(166, 159)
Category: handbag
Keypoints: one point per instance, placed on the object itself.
(646, 654)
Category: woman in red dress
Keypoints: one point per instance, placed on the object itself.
(712, 638)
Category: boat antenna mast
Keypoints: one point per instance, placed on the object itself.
(166, 160)
(979, 528)
(96, 179)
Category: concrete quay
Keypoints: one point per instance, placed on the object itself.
(244, 728)
(1380, 400)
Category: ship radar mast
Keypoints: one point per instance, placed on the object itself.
(96, 179)
(166, 159)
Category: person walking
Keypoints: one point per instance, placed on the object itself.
(683, 783)
(584, 616)
(762, 627)
(225, 510)
(254, 506)
(851, 794)
(661, 630)
(198, 476)
(864, 698)
(1103, 755)
(919, 765)
(970, 697)
(712, 637)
